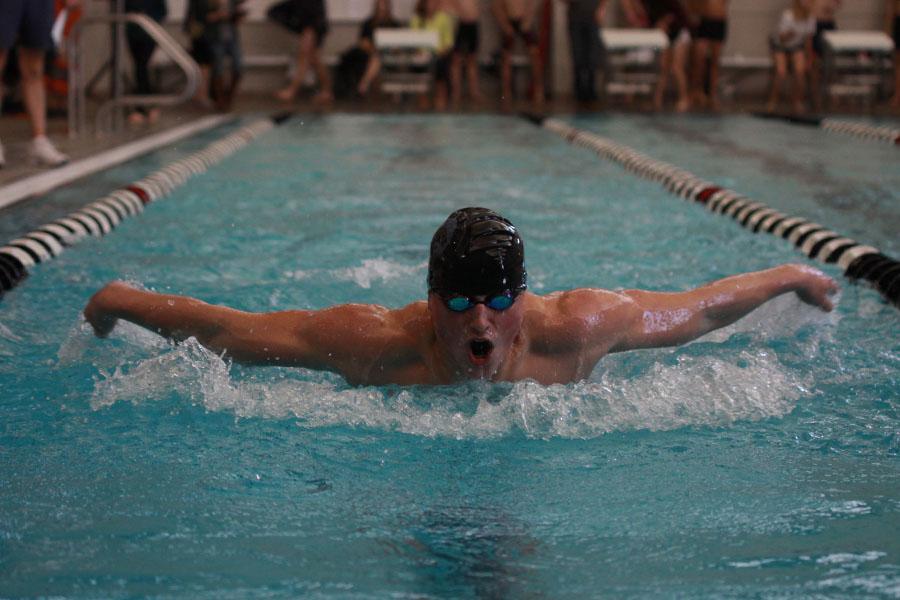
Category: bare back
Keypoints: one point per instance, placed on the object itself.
(715, 9)
(825, 10)
(515, 10)
(468, 11)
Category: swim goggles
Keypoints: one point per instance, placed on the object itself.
(498, 302)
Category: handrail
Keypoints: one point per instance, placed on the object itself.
(166, 43)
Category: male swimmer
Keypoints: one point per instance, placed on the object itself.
(478, 321)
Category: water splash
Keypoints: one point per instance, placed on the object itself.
(669, 389)
(377, 269)
(370, 271)
(694, 391)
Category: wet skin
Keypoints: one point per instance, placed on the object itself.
(476, 342)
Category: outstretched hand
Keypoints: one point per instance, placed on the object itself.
(98, 311)
(816, 288)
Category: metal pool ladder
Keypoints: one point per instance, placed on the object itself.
(109, 115)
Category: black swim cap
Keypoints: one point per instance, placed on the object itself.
(476, 252)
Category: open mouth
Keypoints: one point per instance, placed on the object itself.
(480, 350)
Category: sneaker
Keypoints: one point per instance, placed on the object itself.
(43, 152)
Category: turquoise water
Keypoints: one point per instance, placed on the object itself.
(761, 461)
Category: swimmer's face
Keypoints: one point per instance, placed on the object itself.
(479, 340)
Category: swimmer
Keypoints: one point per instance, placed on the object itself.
(478, 321)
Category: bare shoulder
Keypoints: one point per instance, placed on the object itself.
(582, 302)
(370, 321)
(572, 319)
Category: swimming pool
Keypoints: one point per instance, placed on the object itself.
(759, 461)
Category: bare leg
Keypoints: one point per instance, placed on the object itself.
(31, 65)
(304, 50)
(715, 54)
(815, 82)
(799, 93)
(472, 76)
(323, 75)
(698, 70)
(679, 60)
(778, 76)
(456, 77)
(201, 96)
(440, 95)
(505, 76)
(373, 67)
(537, 75)
(895, 100)
(663, 82)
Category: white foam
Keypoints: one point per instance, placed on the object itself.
(377, 269)
(844, 558)
(694, 391)
(369, 271)
(7, 334)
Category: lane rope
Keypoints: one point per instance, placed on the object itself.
(857, 261)
(100, 217)
(890, 135)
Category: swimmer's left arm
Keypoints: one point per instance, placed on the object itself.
(655, 319)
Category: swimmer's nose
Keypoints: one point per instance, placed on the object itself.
(480, 322)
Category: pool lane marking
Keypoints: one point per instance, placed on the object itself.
(98, 218)
(891, 135)
(42, 183)
(857, 261)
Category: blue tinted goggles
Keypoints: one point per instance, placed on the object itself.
(498, 302)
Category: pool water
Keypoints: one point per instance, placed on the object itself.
(760, 461)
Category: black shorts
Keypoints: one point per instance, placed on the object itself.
(466, 38)
(27, 21)
(713, 30)
(527, 37)
(442, 68)
(818, 41)
(300, 15)
(201, 51)
(897, 33)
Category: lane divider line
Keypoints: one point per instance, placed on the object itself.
(856, 260)
(100, 217)
(891, 135)
(46, 181)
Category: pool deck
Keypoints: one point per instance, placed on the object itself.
(15, 132)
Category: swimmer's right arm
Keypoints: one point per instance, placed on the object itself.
(351, 339)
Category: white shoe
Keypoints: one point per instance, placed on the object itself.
(43, 152)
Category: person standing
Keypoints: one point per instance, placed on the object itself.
(516, 20)
(670, 17)
(431, 16)
(708, 42)
(825, 11)
(29, 22)
(308, 18)
(792, 43)
(465, 50)
(584, 19)
(141, 47)
(223, 17)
